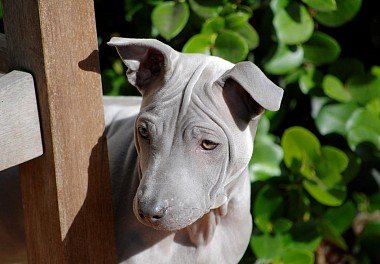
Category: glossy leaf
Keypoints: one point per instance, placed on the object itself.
(298, 256)
(333, 118)
(266, 246)
(334, 88)
(340, 218)
(170, 18)
(277, 5)
(363, 126)
(303, 236)
(268, 201)
(230, 46)
(293, 24)
(205, 11)
(332, 235)
(346, 10)
(321, 49)
(321, 5)
(331, 196)
(236, 20)
(364, 87)
(266, 158)
(284, 60)
(213, 25)
(346, 68)
(198, 44)
(301, 149)
(373, 106)
(310, 79)
(249, 34)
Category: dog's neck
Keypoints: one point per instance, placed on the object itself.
(203, 230)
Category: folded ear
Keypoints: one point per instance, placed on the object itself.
(148, 60)
(247, 91)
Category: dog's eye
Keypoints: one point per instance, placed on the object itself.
(208, 145)
(143, 131)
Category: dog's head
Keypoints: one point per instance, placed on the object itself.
(192, 133)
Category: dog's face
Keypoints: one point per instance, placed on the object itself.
(192, 133)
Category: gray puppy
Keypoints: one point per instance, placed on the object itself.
(178, 158)
(181, 191)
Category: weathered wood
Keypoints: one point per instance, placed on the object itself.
(20, 136)
(3, 54)
(66, 191)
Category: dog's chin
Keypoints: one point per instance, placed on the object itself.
(170, 224)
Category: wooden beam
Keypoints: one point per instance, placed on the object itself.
(66, 191)
(3, 54)
(20, 136)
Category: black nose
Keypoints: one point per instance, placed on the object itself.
(152, 213)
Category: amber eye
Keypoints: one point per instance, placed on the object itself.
(143, 131)
(208, 145)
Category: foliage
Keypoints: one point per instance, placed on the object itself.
(316, 165)
(304, 173)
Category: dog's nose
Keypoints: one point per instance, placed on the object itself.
(152, 214)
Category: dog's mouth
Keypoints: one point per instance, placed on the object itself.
(173, 220)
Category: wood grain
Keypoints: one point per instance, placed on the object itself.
(3, 54)
(66, 192)
(20, 136)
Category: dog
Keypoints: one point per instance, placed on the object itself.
(179, 155)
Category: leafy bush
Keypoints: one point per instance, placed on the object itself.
(316, 166)
(315, 169)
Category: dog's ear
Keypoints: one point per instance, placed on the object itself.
(247, 92)
(148, 60)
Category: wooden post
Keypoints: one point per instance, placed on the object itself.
(3, 55)
(66, 191)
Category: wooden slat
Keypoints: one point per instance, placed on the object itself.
(66, 192)
(3, 54)
(20, 137)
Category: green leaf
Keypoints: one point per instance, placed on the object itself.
(332, 235)
(266, 158)
(321, 49)
(335, 89)
(301, 149)
(364, 87)
(249, 34)
(293, 24)
(321, 5)
(277, 5)
(298, 256)
(310, 79)
(363, 126)
(340, 218)
(267, 203)
(374, 203)
(303, 236)
(205, 11)
(213, 25)
(284, 60)
(236, 20)
(170, 18)
(333, 118)
(230, 46)
(266, 246)
(346, 68)
(198, 44)
(282, 225)
(373, 106)
(331, 196)
(346, 10)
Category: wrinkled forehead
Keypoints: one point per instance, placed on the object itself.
(191, 74)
